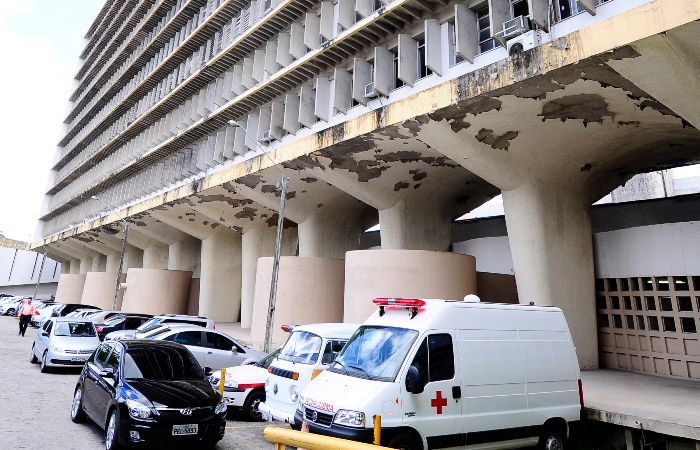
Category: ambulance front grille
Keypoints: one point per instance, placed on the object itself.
(320, 418)
(282, 373)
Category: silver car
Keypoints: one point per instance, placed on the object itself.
(64, 342)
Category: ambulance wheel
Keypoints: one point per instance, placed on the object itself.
(404, 442)
(551, 439)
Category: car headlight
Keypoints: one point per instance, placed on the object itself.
(220, 407)
(293, 393)
(350, 418)
(138, 410)
(56, 349)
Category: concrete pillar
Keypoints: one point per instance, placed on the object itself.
(85, 265)
(99, 263)
(415, 224)
(75, 267)
(330, 234)
(98, 289)
(404, 273)
(549, 229)
(257, 242)
(156, 256)
(157, 291)
(65, 267)
(184, 254)
(220, 281)
(70, 288)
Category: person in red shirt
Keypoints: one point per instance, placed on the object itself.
(25, 315)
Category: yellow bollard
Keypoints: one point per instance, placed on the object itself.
(377, 429)
(221, 382)
(282, 437)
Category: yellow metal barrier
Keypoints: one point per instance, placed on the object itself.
(283, 437)
(377, 429)
(222, 381)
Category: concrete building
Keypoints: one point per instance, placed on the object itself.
(20, 268)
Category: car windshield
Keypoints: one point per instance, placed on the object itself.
(374, 352)
(301, 347)
(153, 333)
(267, 360)
(149, 324)
(160, 363)
(77, 329)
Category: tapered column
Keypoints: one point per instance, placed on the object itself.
(220, 282)
(415, 224)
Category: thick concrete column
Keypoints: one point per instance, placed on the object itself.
(549, 230)
(99, 263)
(415, 224)
(185, 254)
(259, 241)
(155, 253)
(220, 281)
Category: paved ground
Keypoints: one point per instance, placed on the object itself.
(35, 407)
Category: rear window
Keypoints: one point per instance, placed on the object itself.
(196, 323)
(77, 329)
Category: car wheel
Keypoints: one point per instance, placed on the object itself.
(10, 312)
(404, 442)
(44, 367)
(551, 439)
(112, 431)
(251, 406)
(33, 359)
(77, 414)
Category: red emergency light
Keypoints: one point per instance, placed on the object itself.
(409, 303)
(288, 328)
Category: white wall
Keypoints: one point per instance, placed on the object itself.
(492, 254)
(26, 268)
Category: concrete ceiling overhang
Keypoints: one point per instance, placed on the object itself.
(576, 108)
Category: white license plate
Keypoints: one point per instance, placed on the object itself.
(78, 358)
(185, 430)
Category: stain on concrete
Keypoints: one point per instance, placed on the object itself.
(181, 201)
(246, 213)
(303, 162)
(416, 186)
(234, 202)
(251, 181)
(392, 132)
(268, 189)
(501, 142)
(309, 179)
(586, 107)
(400, 185)
(634, 123)
(286, 223)
(414, 125)
(206, 222)
(417, 175)
(214, 225)
(657, 106)
(320, 205)
(458, 124)
(586, 167)
(289, 195)
(342, 157)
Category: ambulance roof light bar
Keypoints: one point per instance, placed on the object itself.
(288, 328)
(409, 303)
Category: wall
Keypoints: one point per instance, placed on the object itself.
(21, 267)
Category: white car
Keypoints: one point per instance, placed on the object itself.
(99, 316)
(309, 351)
(64, 342)
(9, 308)
(43, 312)
(211, 348)
(451, 374)
(244, 386)
(163, 319)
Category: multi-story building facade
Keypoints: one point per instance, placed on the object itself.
(406, 113)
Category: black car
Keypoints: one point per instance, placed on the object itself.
(63, 311)
(121, 322)
(148, 393)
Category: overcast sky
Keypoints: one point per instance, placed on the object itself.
(39, 42)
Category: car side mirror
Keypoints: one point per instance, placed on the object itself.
(107, 372)
(414, 380)
(234, 350)
(44, 333)
(208, 372)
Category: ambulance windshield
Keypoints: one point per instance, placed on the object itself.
(301, 348)
(374, 352)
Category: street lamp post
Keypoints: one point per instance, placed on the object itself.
(278, 243)
(121, 257)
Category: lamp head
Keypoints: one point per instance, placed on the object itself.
(94, 197)
(233, 123)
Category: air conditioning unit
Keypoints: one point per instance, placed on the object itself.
(524, 42)
(370, 92)
(267, 137)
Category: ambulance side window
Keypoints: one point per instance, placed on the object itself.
(435, 359)
(442, 359)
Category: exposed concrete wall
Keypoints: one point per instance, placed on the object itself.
(99, 289)
(309, 290)
(99, 263)
(85, 265)
(415, 225)
(655, 250)
(404, 273)
(329, 235)
(185, 254)
(155, 256)
(70, 288)
(220, 283)
(258, 242)
(193, 300)
(549, 229)
(156, 291)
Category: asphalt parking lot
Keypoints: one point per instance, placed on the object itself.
(35, 407)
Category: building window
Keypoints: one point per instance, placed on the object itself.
(669, 324)
(423, 70)
(630, 322)
(653, 323)
(615, 302)
(454, 57)
(486, 43)
(666, 303)
(647, 285)
(681, 284)
(651, 304)
(612, 284)
(601, 303)
(662, 284)
(635, 284)
(685, 304)
(627, 301)
(638, 303)
(397, 81)
(624, 284)
(567, 8)
(617, 321)
(603, 321)
(519, 8)
(640, 323)
(688, 325)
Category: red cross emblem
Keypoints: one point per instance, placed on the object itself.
(438, 402)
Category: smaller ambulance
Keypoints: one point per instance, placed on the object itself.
(451, 374)
(309, 351)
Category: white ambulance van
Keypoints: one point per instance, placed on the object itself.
(451, 374)
(309, 350)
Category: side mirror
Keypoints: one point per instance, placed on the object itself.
(234, 350)
(414, 380)
(44, 333)
(107, 372)
(208, 372)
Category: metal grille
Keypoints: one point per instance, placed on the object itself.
(321, 417)
(282, 373)
(650, 324)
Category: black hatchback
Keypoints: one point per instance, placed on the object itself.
(151, 394)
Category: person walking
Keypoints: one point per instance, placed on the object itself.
(25, 315)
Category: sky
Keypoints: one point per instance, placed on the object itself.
(40, 41)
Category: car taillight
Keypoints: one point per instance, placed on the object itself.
(580, 393)
(215, 327)
(36, 312)
(98, 329)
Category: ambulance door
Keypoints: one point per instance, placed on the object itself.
(437, 411)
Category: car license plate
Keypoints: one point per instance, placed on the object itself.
(185, 430)
(78, 358)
